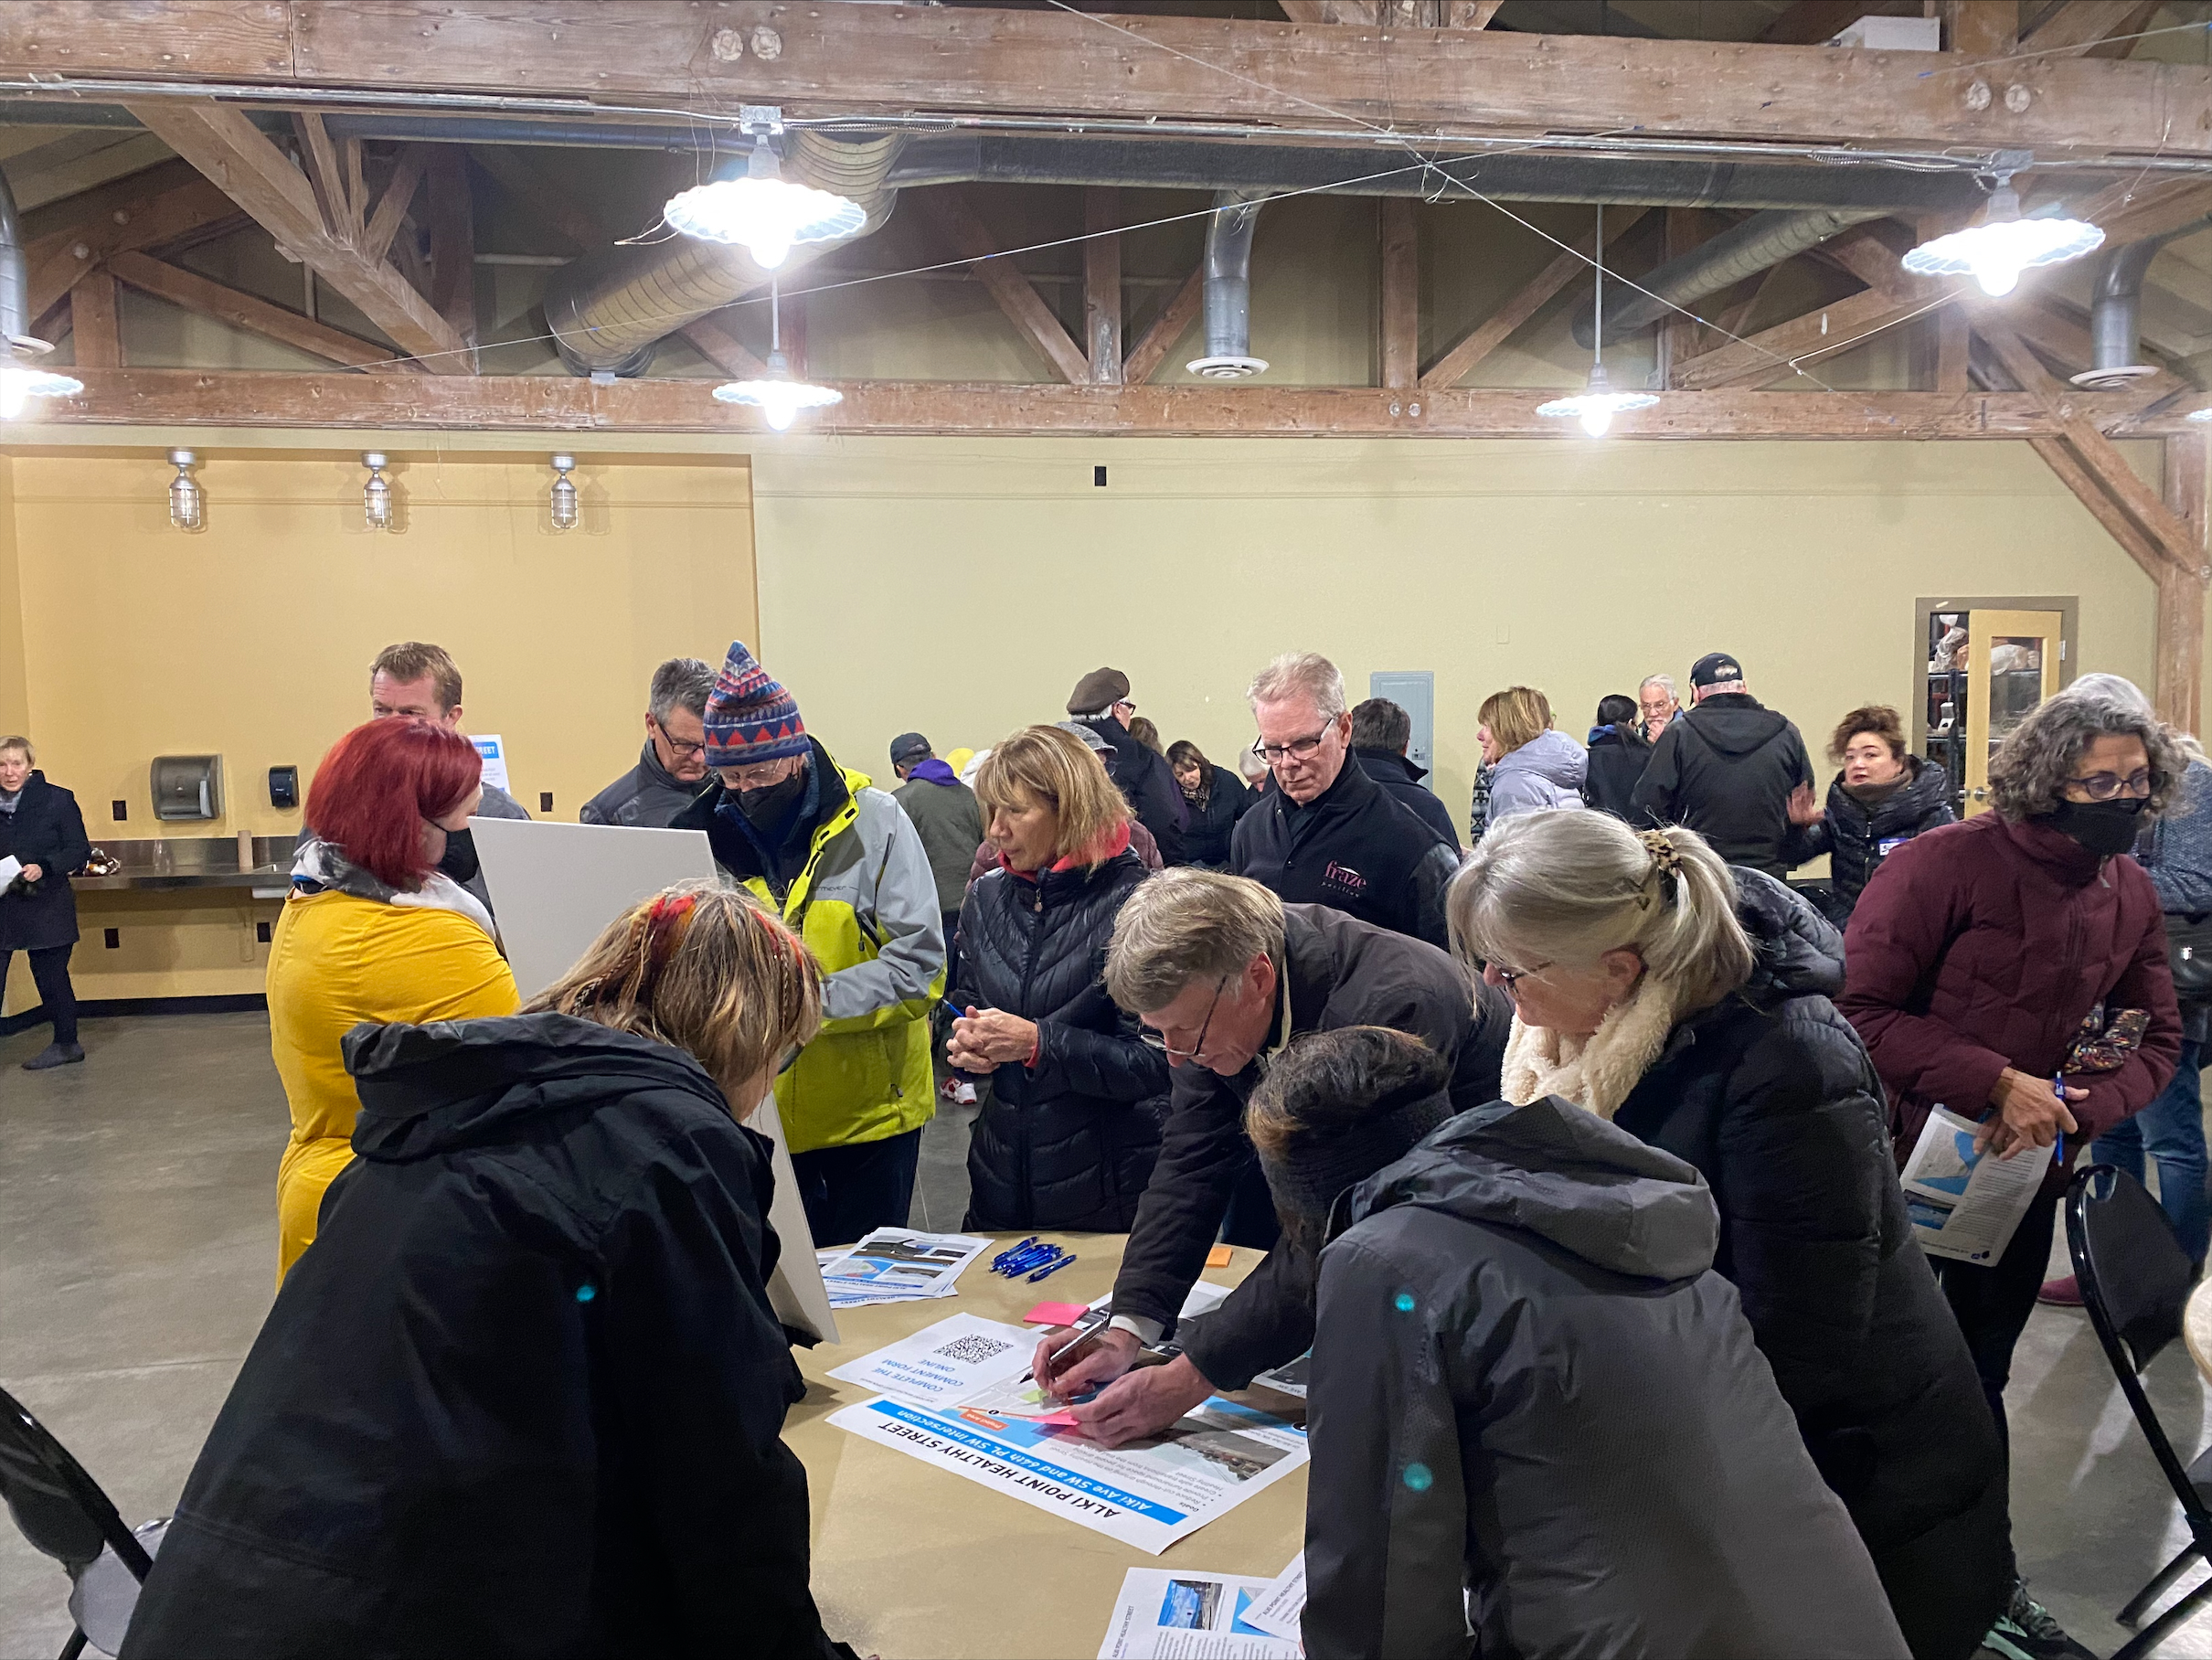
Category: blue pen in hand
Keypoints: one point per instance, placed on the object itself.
(2059, 1088)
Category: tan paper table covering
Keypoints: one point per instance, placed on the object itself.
(911, 1561)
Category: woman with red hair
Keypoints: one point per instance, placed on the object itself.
(372, 931)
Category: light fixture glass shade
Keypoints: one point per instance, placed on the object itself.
(2203, 414)
(566, 509)
(20, 384)
(187, 501)
(1596, 405)
(377, 495)
(763, 211)
(2003, 245)
(779, 396)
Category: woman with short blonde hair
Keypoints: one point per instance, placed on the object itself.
(1687, 1003)
(1069, 1132)
(534, 1331)
(1531, 765)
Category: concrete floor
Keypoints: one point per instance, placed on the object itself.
(137, 1259)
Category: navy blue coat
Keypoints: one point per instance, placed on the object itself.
(46, 830)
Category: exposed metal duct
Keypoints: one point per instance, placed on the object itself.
(609, 309)
(2116, 311)
(1228, 288)
(1763, 240)
(15, 275)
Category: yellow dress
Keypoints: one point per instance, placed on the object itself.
(334, 962)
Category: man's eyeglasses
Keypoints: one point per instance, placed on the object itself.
(677, 745)
(1298, 749)
(1159, 1041)
(1126, 704)
(2108, 786)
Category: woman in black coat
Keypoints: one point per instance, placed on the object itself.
(42, 830)
(525, 1393)
(1883, 798)
(1690, 1005)
(1072, 1126)
(1213, 799)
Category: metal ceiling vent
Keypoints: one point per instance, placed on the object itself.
(1228, 288)
(2116, 312)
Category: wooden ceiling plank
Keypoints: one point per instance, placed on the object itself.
(1015, 295)
(392, 206)
(93, 323)
(209, 298)
(1981, 29)
(115, 222)
(1170, 325)
(1493, 331)
(1400, 308)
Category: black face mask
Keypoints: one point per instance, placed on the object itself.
(459, 860)
(768, 808)
(2105, 828)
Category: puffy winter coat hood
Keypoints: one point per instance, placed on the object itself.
(1795, 949)
(1564, 1174)
(1735, 723)
(1551, 756)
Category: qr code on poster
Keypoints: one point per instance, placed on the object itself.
(973, 1349)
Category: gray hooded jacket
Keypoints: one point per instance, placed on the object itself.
(1546, 771)
(1527, 1381)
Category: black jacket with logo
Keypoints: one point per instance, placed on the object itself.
(1725, 769)
(1353, 849)
(1401, 781)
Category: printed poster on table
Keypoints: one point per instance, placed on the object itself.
(1163, 1614)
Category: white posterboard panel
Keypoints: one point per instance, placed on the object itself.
(554, 888)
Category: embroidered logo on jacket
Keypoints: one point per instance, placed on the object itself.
(1345, 878)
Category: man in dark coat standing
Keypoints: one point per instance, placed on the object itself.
(1328, 834)
(1731, 768)
(950, 821)
(1226, 975)
(1381, 731)
(1102, 702)
(42, 831)
(671, 771)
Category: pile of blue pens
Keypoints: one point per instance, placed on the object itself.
(1032, 1258)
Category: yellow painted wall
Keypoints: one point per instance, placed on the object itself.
(252, 639)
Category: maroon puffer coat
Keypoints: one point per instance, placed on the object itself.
(1982, 945)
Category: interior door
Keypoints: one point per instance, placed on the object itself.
(1414, 691)
(2012, 663)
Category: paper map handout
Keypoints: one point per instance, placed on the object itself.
(1965, 1204)
(954, 1359)
(1163, 1614)
(900, 1265)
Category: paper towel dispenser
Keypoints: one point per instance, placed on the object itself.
(187, 786)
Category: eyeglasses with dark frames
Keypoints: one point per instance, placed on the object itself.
(1298, 749)
(1159, 1041)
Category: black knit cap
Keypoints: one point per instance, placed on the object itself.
(1361, 1098)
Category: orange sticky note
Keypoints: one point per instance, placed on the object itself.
(1218, 1257)
(1056, 1313)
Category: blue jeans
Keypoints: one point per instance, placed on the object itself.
(2171, 1131)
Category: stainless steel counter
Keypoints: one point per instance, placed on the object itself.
(169, 863)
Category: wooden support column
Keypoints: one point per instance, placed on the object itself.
(1980, 29)
(1402, 325)
(1103, 283)
(453, 247)
(2178, 687)
(93, 322)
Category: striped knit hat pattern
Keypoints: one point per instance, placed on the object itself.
(750, 717)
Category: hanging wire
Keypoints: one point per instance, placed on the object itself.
(1597, 340)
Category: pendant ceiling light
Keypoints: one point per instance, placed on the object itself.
(763, 211)
(21, 380)
(2203, 414)
(377, 495)
(2003, 245)
(188, 501)
(1597, 403)
(778, 397)
(565, 507)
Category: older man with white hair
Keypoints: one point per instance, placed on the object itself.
(1328, 834)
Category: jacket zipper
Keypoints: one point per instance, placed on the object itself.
(1028, 985)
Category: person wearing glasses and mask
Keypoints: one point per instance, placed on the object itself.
(840, 862)
(1101, 703)
(1224, 976)
(671, 771)
(1328, 834)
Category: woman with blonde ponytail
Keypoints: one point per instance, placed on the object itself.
(1687, 1003)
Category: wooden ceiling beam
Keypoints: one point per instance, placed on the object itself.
(222, 143)
(1400, 301)
(1495, 330)
(93, 322)
(1017, 295)
(723, 349)
(857, 60)
(392, 206)
(209, 298)
(1168, 325)
(2078, 27)
(1103, 283)
(562, 403)
(114, 221)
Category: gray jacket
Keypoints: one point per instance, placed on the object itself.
(647, 797)
(1546, 771)
(951, 820)
(2177, 852)
(1528, 1380)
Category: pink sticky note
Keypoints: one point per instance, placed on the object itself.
(1056, 1420)
(1056, 1313)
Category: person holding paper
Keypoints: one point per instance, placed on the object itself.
(526, 1395)
(42, 840)
(1533, 1405)
(1069, 1135)
(839, 860)
(1686, 1002)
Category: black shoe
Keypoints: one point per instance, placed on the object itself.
(2025, 1631)
(55, 1055)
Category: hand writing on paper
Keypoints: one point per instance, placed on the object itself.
(1109, 1354)
(2030, 1114)
(987, 1039)
(1143, 1402)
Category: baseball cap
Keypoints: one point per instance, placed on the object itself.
(908, 746)
(1715, 668)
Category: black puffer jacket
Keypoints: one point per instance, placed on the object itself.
(1857, 841)
(1070, 1141)
(1204, 837)
(1772, 1097)
(47, 830)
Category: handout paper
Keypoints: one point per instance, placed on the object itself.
(1277, 1612)
(1164, 1614)
(491, 750)
(10, 868)
(950, 1360)
(1965, 1204)
(901, 1265)
(1289, 1379)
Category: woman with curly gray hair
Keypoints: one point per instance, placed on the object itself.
(1980, 949)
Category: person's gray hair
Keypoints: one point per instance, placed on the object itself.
(1301, 675)
(17, 741)
(680, 682)
(2029, 772)
(1665, 680)
(1183, 925)
(1560, 886)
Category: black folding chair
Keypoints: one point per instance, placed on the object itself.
(2134, 1281)
(63, 1513)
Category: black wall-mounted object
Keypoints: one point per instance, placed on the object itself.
(121, 810)
(285, 787)
(544, 801)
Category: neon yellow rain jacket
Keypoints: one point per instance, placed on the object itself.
(865, 904)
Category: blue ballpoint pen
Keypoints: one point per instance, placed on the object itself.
(2059, 1088)
(1051, 1267)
